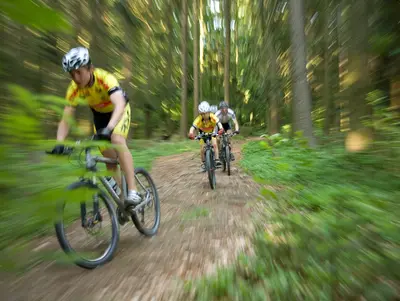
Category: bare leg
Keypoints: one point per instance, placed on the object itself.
(214, 143)
(218, 144)
(229, 139)
(202, 153)
(112, 154)
(125, 159)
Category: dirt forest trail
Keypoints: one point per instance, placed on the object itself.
(187, 245)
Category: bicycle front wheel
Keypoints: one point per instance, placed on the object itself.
(147, 226)
(210, 166)
(228, 159)
(87, 226)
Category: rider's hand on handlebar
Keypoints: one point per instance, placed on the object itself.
(221, 131)
(191, 136)
(104, 134)
(58, 149)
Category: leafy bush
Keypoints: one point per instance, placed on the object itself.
(330, 230)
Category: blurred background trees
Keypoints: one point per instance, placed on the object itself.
(169, 55)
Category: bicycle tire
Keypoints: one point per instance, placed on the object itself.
(210, 169)
(222, 158)
(228, 159)
(156, 203)
(66, 247)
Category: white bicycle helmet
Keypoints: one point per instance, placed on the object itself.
(213, 109)
(75, 58)
(204, 107)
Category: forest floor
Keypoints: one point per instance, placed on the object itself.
(200, 230)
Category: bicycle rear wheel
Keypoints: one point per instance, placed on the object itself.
(91, 221)
(210, 168)
(149, 193)
(228, 159)
(222, 158)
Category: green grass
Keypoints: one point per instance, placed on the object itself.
(196, 213)
(334, 231)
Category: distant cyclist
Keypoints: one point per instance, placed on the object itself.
(206, 122)
(214, 109)
(225, 114)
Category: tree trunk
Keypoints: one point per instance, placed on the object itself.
(266, 41)
(358, 64)
(211, 78)
(195, 57)
(184, 23)
(148, 106)
(227, 18)
(274, 96)
(328, 99)
(335, 69)
(235, 69)
(203, 30)
(147, 120)
(341, 34)
(301, 89)
(168, 123)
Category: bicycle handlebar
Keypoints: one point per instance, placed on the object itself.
(69, 149)
(231, 134)
(202, 135)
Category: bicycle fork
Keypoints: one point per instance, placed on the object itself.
(96, 211)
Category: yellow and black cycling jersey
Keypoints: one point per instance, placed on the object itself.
(206, 125)
(98, 98)
(98, 95)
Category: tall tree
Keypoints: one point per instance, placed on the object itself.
(328, 97)
(195, 56)
(301, 89)
(227, 18)
(358, 63)
(202, 37)
(184, 83)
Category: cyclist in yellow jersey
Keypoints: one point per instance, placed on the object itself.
(206, 122)
(111, 112)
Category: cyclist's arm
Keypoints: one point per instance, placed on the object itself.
(118, 99)
(233, 116)
(196, 125)
(63, 126)
(236, 124)
(192, 129)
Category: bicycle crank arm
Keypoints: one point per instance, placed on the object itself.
(141, 205)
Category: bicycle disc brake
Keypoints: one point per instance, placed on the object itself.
(93, 223)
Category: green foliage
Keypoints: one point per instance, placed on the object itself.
(33, 14)
(331, 230)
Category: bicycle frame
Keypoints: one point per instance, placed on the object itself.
(225, 140)
(207, 139)
(91, 162)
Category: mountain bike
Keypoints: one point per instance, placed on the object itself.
(225, 152)
(209, 155)
(91, 217)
